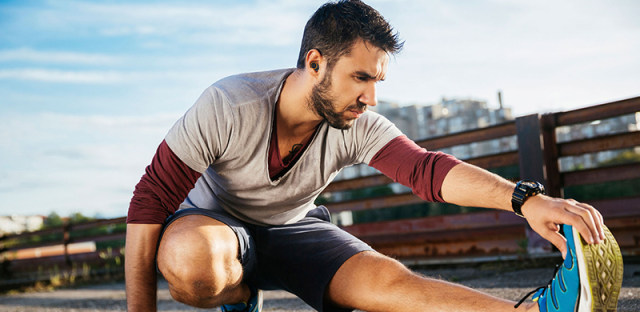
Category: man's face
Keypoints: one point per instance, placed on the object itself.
(345, 92)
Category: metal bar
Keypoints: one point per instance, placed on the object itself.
(601, 143)
(600, 175)
(471, 136)
(599, 112)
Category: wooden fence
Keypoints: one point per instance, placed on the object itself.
(498, 234)
(65, 253)
(470, 236)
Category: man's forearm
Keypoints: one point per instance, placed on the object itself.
(140, 271)
(468, 185)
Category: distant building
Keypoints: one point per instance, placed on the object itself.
(419, 122)
(18, 224)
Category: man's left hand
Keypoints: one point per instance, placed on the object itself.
(545, 215)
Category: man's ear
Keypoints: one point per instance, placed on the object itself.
(314, 62)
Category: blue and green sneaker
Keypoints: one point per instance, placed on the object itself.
(589, 279)
(253, 305)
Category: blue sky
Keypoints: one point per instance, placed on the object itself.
(88, 89)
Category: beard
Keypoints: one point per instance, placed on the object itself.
(322, 103)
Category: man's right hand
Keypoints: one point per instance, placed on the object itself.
(139, 265)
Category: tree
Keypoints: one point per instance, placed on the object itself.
(52, 220)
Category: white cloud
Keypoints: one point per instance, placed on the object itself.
(268, 23)
(69, 163)
(62, 76)
(544, 56)
(103, 76)
(57, 57)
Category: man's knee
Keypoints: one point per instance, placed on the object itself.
(368, 274)
(198, 256)
(390, 272)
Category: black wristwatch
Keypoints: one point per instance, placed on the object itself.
(524, 189)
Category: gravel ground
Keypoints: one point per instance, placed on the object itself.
(508, 284)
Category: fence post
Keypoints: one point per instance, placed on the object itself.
(66, 239)
(531, 156)
(550, 154)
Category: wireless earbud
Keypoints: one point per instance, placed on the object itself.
(315, 66)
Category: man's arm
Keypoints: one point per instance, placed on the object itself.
(468, 185)
(139, 266)
(439, 177)
(165, 184)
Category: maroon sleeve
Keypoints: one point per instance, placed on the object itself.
(411, 165)
(165, 184)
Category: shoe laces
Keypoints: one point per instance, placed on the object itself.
(539, 288)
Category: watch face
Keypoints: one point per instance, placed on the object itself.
(529, 183)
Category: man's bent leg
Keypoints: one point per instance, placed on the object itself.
(370, 281)
(198, 256)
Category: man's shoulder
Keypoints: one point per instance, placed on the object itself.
(254, 83)
(371, 119)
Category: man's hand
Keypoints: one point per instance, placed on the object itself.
(545, 215)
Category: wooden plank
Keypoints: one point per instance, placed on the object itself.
(471, 136)
(357, 183)
(99, 238)
(487, 162)
(599, 112)
(96, 223)
(598, 144)
(600, 175)
(465, 221)
(495, 161)
(375, 203)
(617, 207)
(450, 236)
(31, 234)
(453, 249)
(627, 222)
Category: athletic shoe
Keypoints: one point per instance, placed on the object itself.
(589, 279)
(253, 305)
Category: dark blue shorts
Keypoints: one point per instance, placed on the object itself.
(300, 258)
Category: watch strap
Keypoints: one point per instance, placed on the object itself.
(523, 190)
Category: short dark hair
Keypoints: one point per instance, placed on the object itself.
(335, 27)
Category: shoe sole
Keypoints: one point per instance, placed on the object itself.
(260, 301)
(600, 265)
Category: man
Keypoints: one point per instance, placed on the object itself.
(246, 162)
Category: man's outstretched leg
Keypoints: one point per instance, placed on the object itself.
(199, 257)
(370, 281)
(589, 280)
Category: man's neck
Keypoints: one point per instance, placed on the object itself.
(295, 118)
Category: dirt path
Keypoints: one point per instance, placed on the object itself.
(111, 297)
